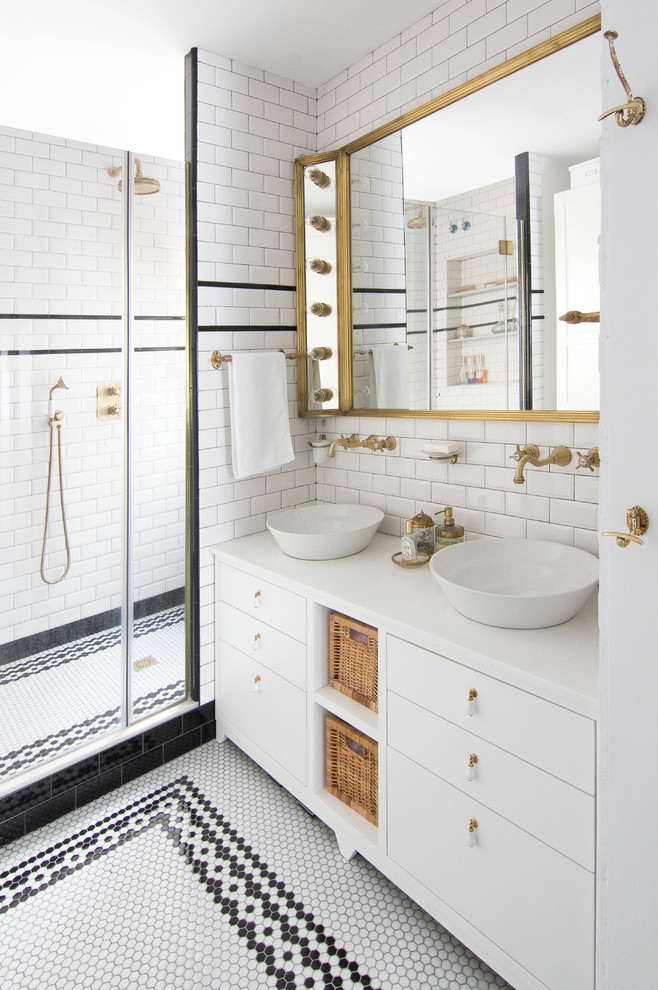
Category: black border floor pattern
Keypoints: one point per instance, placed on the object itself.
(87, 645)
(293, 948)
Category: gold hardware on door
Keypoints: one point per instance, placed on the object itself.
(471, 772)
(637, 521)
(256, 687)
(471, 705)
(108, 401)
(472, 837)
(633, 111)
(256, 643)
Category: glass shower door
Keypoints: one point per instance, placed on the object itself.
(61, 336)
(156, 587)
(92, 444)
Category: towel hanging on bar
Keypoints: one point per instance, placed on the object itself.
(258, 399)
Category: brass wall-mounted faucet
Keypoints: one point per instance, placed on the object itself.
(530, 455)
(371, 442)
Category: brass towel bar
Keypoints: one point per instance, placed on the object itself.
(368, 350)
(217, 359)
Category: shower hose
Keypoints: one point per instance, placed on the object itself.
(55, 426)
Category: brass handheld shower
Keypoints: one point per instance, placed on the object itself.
(55, 422)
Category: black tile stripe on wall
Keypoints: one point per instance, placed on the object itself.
(45, 800)
(248, 285)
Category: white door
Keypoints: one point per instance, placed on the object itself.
(628, 818)
(577, 230)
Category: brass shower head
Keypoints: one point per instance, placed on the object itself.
(418, 221)
(143, 184)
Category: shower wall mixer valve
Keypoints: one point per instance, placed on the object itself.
(108, 401)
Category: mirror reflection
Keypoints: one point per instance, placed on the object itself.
(473, 231)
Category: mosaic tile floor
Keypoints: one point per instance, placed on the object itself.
(46, 705)
(206, 875)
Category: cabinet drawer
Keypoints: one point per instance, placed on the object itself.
(553, 738)
(280, 609)
(554, 811)
(535, 904)
(274, 718)
(270, 647)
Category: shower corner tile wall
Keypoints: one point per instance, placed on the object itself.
(251, 127)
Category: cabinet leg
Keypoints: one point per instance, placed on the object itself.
(345, 848)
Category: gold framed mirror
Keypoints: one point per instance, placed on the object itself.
(457, 224)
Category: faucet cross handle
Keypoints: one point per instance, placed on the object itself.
(589, 460)
(530, 450)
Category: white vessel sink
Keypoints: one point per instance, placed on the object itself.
(323, 532)
(516, 584)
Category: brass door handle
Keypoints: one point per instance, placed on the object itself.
(637, 521)
(471, 835)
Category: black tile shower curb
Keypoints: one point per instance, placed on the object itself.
(46, 800)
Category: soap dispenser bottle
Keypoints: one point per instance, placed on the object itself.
(448, 533)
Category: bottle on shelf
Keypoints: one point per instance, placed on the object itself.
(462, 377)
(471, 370)
(318, 266)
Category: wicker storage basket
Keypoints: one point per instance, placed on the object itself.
(353, 659)
(351, 760)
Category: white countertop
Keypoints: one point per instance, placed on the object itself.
(559, 663)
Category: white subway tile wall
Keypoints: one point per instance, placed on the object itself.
(61, 231)
(251, 127)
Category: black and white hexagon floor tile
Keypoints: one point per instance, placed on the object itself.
(206, 875)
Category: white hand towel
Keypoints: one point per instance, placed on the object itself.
(258, 398)
(391, 367)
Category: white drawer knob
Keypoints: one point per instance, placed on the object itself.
(471, 835)
(256, 601)
(471, 771)
(471, 704)
(256, 643)
(256, 687)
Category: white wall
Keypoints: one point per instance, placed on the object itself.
(627, 857)
(252, 125)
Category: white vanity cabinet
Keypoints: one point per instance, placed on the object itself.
(486, 737)
(474, 816)
(261, 680)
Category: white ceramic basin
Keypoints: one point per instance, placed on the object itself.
(516, 584)
(323, 532)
